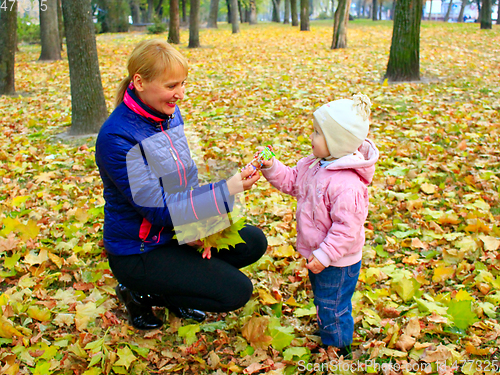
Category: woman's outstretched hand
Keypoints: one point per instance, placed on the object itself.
(240, 181)
(207, 251)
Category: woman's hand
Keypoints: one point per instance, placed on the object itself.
(314, 265)
(240, 181)
(207, 251)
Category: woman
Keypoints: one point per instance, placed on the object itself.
(151, 188)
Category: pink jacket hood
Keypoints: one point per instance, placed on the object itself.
(332, 203)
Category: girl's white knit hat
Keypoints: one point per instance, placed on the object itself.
(345, 124)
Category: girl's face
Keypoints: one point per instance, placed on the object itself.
(163, 92)
(318, 142)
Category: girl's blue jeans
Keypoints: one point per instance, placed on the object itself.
(333, 289)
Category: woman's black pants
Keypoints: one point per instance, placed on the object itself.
(185, 279)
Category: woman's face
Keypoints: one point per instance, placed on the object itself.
(318, 142)
(163, 92)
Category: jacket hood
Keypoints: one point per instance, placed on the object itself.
(362, 161)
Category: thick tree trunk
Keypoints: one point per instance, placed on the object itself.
(8, 44)
(49, 31)
(135, 11)
(374, 10)
(448, 11)
(88, 106)
(486, 15)
(235, 21)
(194, 24)
(212, 14)
(295, 15)
(253, 13)
(276, 10)
(340, 24)
(286, 19)
(174, 25)
(404, 58)
(304, 15)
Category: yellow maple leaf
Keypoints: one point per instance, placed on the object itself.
(490, 243)
(284, 251)
(266, 297)
(463, 295)
(428, 188)
(442, 273)
(254, 331)
(7, 330)
(41, 314)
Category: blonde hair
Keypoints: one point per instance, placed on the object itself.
(150, 59)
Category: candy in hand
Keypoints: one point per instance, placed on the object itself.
(259, 157)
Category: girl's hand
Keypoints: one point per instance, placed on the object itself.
(207, 253)
(267, 163)
(239, 181)
(314, 265)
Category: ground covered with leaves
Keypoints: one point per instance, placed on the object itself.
(429, 290)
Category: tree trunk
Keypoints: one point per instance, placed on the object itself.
(240, 11)
(184, 14)
(304, 15)
(88, 107)
(253, 13)
(448, 11)
(380, 9)
(159, 9)
(430, 10)
(212, 14)
(462, 9)
(194, 24)
(174, 24)
(404, 58)
(276, 10)
(116, 17)
(295, 15)
(498, 13)
(235, 22)
(135, 11)
(49, 31)
(151, 9)
(286, 19)
(8, 44)
(228, 4)
(486, 15)
(363, 7)
(374, 10)
(340, 24)
(60, 25)
(393, 10)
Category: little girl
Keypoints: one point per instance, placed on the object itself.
(332, 206)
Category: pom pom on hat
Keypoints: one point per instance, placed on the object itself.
(345, 124)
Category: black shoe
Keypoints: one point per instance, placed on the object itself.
(159, 300)
(346, 351)
(140, 316)
(182, 312)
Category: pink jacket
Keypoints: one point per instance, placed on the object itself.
(332, 203)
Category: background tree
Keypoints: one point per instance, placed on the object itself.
(115, 16)
(340, 24)
(462, 9)
(304, 15)
(228, 4)
(235, 21)
(183, 12)
(295, 16)
(498, 13)
(286, 19)
(212, 14)
(276, 10)
(253, 13)
(374, 10)
(404, 58)
(448, 11)
(486, 15)
(135, 10)
(60, 24)
(49, 31)
(194, 24)
(151, 9)
(8, 44)
(88, 107)
(430, 10)
(174, 24)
